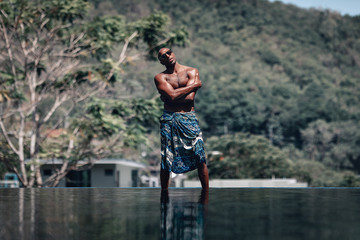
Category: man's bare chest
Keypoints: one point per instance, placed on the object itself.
(177, 80)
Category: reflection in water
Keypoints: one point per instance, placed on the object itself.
(183, 218)
(89, 213)
(134, 214)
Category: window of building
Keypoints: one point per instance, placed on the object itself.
(47, 172)
(109, 172)
(78, 179)
(118, 178)
(134, 178)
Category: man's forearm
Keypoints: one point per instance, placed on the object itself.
(187, 98)
(180, 93)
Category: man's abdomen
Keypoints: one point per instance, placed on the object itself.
(179, 107)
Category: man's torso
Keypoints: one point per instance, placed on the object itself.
(178, 80)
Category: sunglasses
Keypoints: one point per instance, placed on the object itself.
(163, 56)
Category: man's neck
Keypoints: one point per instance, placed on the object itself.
(173, 68)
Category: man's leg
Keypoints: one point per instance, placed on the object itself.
(164, 179)
(203, 176)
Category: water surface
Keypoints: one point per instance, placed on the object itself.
(141, 213)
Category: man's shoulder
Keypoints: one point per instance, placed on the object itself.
(190, 69)
(159, 76)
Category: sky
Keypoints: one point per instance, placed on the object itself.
(351, 7)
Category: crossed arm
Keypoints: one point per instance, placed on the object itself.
(183, 94)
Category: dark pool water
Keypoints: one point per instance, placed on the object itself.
(142, 213)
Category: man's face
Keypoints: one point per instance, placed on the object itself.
(166, 57)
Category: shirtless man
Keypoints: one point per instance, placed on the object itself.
(181, 139)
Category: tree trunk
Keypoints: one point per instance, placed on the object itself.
(21, 151)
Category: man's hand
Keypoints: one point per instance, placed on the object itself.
(197, 80)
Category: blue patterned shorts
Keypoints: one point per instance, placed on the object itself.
(182, 145)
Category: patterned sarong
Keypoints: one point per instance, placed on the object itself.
(182, 146)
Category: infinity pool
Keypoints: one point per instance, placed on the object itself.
(142, 213)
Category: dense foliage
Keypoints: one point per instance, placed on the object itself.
(246, 156)
(58, 74)
(270, 69)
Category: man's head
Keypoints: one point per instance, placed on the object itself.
(166, 57)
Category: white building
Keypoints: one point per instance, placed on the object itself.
(245, 183)
(104, 173)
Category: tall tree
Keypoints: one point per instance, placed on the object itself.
(53, 61)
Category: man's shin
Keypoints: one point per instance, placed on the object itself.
(164, 179)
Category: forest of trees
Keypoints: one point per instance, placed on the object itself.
(280, 93)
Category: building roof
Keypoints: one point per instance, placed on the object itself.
(116, 161)
(123, 162)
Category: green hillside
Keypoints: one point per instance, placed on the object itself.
(271, 69)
